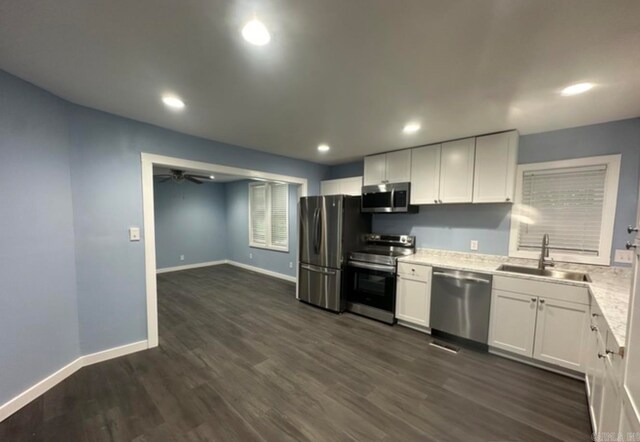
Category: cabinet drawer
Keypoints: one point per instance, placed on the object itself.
(414, 271)
(561, 292)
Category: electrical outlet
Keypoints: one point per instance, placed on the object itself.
(250, 255)
(624, 256)
(290, 265)
(474, 244)
(181, 257)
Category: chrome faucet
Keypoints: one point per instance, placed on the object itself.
(544, 260)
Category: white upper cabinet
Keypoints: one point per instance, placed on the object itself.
(342, 186)
(392, 167)
(456, 171)
(375, 169)
(495, 168)
(425, 174)
(399, 166)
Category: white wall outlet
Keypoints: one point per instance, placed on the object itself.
(181, 257)
(290, 265)
(134, 233)
(624, 256)
(474, 244)
(250, 255)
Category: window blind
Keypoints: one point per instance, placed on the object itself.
(269, 215)
(565, 203)
(258, 214)
(279, 215)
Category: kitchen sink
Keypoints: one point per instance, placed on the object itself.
(549, 273)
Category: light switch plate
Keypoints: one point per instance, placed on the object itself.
(474, 244)
(624, 256)
(134, 233)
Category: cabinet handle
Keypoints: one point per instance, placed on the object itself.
(440, 201)
(533, 299)
(508, 199)
(435, 201)
(594, 328)
(594, 315)
(413, 270)
(631, 229)
(542, 301)
(628, 245)
(609, 352)
(600, 356)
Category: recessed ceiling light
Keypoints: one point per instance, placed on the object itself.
(411, 128)
(211, 177)
(323, 148)
(256, 33)
(173, 102)
(576, 89)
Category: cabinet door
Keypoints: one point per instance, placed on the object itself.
(330, 187)
(425, 175)
(351, 186)
(595, 379)
(561, 333)
(611, 402)
(456, 171)
(375, 167)
(413, 300)
(495, 168)
(399, 166)
(513, 322)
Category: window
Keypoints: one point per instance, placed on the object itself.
(574, 201)
(269, 216)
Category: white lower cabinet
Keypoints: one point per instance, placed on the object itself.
(413, 294)
(539, 320)
(513, 322)
(561, 333)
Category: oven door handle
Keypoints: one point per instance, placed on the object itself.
(369, 266)
(317, 269)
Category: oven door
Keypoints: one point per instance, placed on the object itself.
(371, 285)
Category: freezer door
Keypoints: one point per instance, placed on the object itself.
(321, 286)
(321, 231)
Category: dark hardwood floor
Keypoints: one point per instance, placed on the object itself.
(241, 359)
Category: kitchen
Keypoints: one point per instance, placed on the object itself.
(320, 220)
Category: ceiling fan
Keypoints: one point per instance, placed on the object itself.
(179, 176)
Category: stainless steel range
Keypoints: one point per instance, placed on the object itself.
(371, 275)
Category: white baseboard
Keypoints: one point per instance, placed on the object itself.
(36, 390)
(263, 271)
(191, 266)
(33, 392)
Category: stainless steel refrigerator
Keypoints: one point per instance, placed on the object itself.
(330, 228)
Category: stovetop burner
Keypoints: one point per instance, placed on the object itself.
(384, 249)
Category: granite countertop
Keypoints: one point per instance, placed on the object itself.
(610, 286)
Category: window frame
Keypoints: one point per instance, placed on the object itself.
(608, 210)
(268, 217)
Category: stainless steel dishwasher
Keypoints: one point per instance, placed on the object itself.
(461, 303)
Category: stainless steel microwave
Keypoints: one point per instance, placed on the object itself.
(387, 198)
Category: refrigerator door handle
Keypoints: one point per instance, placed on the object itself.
(317, 269)
(315, 230)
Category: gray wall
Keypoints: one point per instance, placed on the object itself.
(38, 305)
(238, 232)
(190, 220)
(452, 227)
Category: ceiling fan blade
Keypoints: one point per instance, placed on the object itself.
(193, 180)
(202, 177)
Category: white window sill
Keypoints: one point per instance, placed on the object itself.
(272, 248)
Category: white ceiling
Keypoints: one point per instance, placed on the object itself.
(347, 73)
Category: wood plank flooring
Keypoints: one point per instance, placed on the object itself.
(240, 359)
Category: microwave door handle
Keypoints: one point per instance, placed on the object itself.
(393, 200)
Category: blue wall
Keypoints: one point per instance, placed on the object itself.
(38, 305)
(238, 232)
(190, 220)
(452, 227)
(345, 170)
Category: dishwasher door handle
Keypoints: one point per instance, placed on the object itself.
(462, 278)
